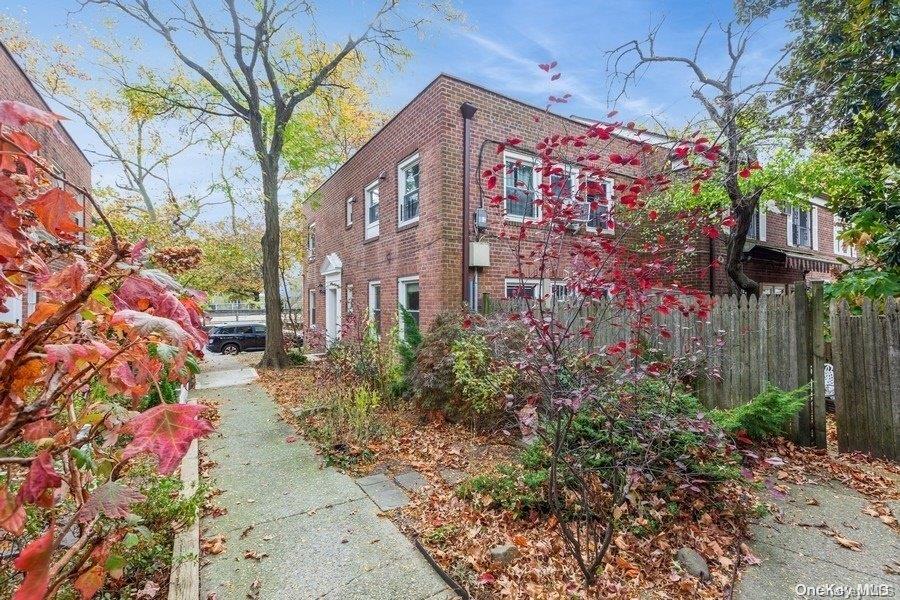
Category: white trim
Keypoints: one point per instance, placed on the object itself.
(536, 184)
(542, 287)
(405, 164)
(790, 226)
(760, 207)
(311, 240)
(348, 211)
(332, 265)
(840, 248)
(333, 298)
(402, 282)
(372, 227)
(814, 229)
(371, 308)
(349, 293)
(311, 307)
(610, 184)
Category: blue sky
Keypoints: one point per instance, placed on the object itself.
(500, 44)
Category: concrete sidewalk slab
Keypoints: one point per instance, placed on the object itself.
(320, 533)
(798, 552)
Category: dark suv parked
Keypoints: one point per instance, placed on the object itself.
(231, 339)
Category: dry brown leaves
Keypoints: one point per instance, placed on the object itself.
(459, 534)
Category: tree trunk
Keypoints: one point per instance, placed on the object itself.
(742, 211)
(274, 356)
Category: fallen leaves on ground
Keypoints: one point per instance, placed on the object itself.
(459, 535)
(213, 545)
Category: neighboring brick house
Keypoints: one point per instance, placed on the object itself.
(61, 152)
(387, 227)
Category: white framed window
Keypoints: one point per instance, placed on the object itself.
(600, 195)
(408, 298)
(841, 247)
(348, 211)
(521, 184)
(408, 191)
(372, 208)
(311, 310)
(802, 227)
(375, 306)
(757, 229)
(311, 240)
(536, 289)
(350, 299)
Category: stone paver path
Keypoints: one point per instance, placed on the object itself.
(317, 532)
(796, 555)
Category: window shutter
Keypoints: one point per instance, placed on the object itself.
(814, 215)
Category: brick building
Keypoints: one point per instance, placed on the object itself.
(386, 229)
(62, 153)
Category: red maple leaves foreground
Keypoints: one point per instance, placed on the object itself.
(106, 330)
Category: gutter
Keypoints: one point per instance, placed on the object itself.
(468, 111)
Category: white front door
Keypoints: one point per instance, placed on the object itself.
(332, 308)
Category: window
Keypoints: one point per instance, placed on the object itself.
(520, 183)
(349, 299)
(311, 239)
(599, 194)
(800, 227)
(840, 246)
(312, 308)
(375, 306)
(757, 226)
(349, 211)
(372, 210)
(408, 293)
(408, 190)
(516, 288)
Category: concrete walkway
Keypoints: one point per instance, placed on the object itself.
(293, 529)
(798, 551)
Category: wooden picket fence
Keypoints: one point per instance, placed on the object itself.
(743, 345)
(865, 352)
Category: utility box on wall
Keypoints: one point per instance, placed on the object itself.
(479, 254)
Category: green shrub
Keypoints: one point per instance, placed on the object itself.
(409, 342)
(511, 486)
(297, 357)
(765, 415)
(480, 382)
(431, 379)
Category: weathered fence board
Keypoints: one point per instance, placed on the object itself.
(866, 355)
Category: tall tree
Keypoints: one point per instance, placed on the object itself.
(744, 118)
(249, 75)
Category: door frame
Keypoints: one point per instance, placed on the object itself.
(332, 270)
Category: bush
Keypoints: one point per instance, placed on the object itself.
(297, 357)
(765, 415)
(517, 487)
(480, 381)
(431, 378)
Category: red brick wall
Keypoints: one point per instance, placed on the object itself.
(433, 126)
(64, 153)
(61, 151)
(415, 249)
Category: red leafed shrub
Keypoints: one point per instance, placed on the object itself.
(587, 302)
(103, 333)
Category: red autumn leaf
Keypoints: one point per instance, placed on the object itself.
(12, 147)
(90, 582)
(711, 232)
(729, 221)
(514, 141)
(112, 499)
(35, 561)
(611, 114)
(166, 430)
(147, 324)
(652, 215)
(544, 66)
(491, 182)
(12, 513)
(68, 354)
(54, 210)
(16, 114)
(555, 76)
(41, 477)
(39, 430)
(616, 159)
(486, 578)
(745, 173)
